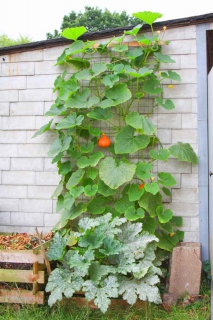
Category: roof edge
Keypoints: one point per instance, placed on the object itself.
(174, 23)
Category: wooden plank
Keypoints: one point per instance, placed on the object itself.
(38, 248)
(23, 276)
(20, 256)
(21, 296)
(35, 272)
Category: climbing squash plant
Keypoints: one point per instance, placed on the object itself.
(106, 149)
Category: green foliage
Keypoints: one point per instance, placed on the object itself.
(6, 41)
(98, 180)
(94, 19)
(111, 257)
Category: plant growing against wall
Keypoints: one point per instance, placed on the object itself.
(107, 145)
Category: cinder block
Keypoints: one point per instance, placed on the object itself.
(177, 47)
(18, 123)
(48, 67)
(190, 32)
(13, 192)
(4, 163)
(27, 109)
(189, 121)
(185, 195)
(184, 209)
(19, 229)
(41, 121)
(4, 109)
(40, 192)
(174, 65)
(18, 177)
(47, 178)
(8, 95)
(188, 61)
(181, 106)
(175, 34)
(4, 218)
(187, 76)
(32, 150)
(11, 205)
(181, 91)
(13, 136)
(191, 236)
(194, 224)
(35, 95)
(46, 137)
(12, 83)
(50, 220)
(47, 105)
(54, 53)
(193, 46)
(186, 265)
(49, 166)
(27, 219)
(184, 135)
(165, 135)
(35, 164)
(169, 121)
(17, 69)
(32, 205)
(174, 166)
(35, 55)
(194, 105)
(41, 81)
(186, 224)
(189, 181)
(8, 150)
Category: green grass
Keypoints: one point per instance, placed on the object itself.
(199, 310)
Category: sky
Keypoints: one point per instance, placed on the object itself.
(34, 18)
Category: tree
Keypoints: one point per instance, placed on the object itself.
(6, 41)
(94, 19)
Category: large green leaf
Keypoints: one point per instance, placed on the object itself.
(137, 121)
(76, 191)
(167, 104)
(75, 178)
(164, 215)
(70, 122)
(92, 173)
(73, 33)
(104, 189)
(68, 88)
(56, 110)
(57, 247)
(131, 214)
(88, 148)
(132, 54)
(153, 187)
(171, 75)
(162, 154)
(163, 57)
(78, 63)
(143, 170)
(150, 202)
(110, 80)
(142, 72)
(84, 75)
(98, 68)
(165, 242)
(184, 152)
(58, 146)
(134, 31)
(126, 142)
(135, 192)
(100, 114)
(68, 201)
(64, 167)
(166, 179)
(120, 48)
(114, 174)
(95, 206)
(152, 86)
(92, 160)
(147, 16)
(43, 129)
(123, 204)
(80, 100)
(90, 190)
(119, 93)
(73, 213)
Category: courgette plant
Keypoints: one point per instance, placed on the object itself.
(110, 170)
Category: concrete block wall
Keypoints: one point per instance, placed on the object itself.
(27, 177)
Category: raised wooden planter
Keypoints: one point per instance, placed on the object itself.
(34, 276)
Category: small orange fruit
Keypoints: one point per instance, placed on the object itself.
(104, 141)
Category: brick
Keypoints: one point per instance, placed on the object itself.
(18, 123)
(165, 135)
(181, 91)
(49, 166)
(177, 47)
(35, 55)
(13, 136)
(12, 83)
(4, 163)
(184, 209)
(47, 178)
(185, 195)
(184, 135)
(8, 95)
(51, 220)
(47, 67)
(32, 150)
(46, 137)
(191, 236)
(53, 53)
(32, 205)
(27, 108)
(189, 181)
(41, 81)
(40, 192)
(18, 177)
(174, 166)
(11, 205)
(27, 219)
(17, 69)
(188, 61)
(23, 164)
(4, 218)
(35, 95)
(189, 121)
(169, 121)
(13, 192)
(8, 150)
(4, 109)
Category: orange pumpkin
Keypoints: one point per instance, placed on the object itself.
(141, 186)
(104, 141)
